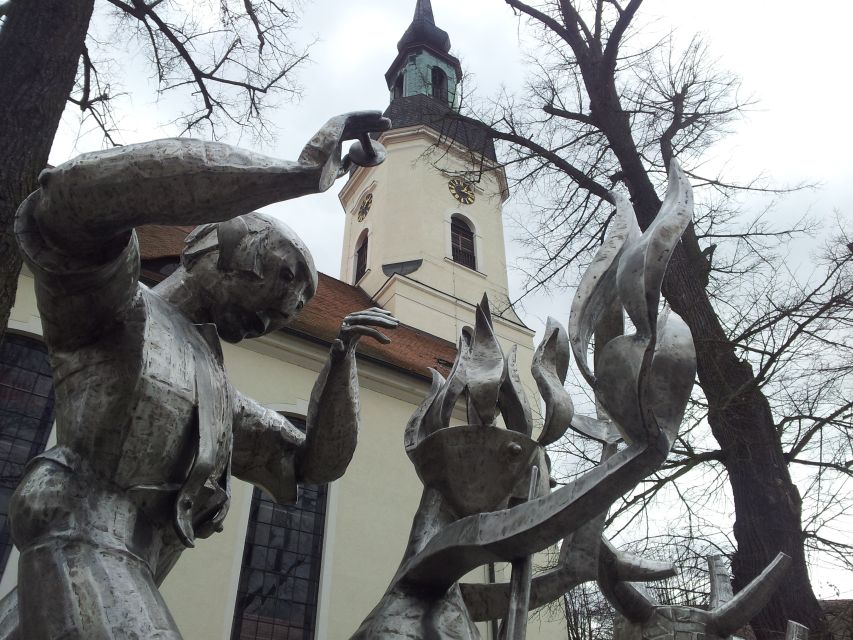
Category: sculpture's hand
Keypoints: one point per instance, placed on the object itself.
(324, 150)
(362, 323)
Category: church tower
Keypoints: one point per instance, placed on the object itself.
(424, 231)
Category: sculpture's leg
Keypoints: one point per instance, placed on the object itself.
(71, 590)
(86, 557)
(9, 623)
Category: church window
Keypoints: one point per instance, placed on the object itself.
(439, 84)
(398, 87)
(462, 243)
(26, 417)
(280, 580)
(361, 258)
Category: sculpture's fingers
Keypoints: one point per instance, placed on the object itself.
(364, 317)
(360, 122)
(353, 333)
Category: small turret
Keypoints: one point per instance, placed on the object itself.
(424, 65)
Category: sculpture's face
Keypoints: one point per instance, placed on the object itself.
(248, 304)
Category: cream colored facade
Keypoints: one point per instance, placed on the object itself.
(410, 220)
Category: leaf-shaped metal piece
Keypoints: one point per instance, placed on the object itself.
(485, 368)
(603, 431)
(643, 263)
(513, 403)
(618, 374)
(414, 429)
(438, 415)
(550, 366)
(597, 290)
(667, 389)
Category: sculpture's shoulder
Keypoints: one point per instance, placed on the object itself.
(81, 296)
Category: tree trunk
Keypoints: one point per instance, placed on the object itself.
(40, 45)
(767, 503)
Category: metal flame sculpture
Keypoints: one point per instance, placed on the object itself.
(486, 495)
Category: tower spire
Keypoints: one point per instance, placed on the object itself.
(423, 11)
(423, 30)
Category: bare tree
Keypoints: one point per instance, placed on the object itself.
(600, 112)
(229, 58)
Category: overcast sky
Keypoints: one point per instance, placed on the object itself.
(794, 57)
(794, 60)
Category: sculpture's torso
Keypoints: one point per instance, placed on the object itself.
(132, 410)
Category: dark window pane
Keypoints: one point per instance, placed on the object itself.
(26, 416)
(280, 579)
(439, 84)
(361, 260)
(462, 241)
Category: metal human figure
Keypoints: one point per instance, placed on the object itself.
(149, 429)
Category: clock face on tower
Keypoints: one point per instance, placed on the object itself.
(364, 207)
(461, 190)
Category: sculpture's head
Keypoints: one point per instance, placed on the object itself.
(252, 273)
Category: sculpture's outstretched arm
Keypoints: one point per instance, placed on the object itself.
(272, 453)
(332, 421)
(265, 445)
(85, 202)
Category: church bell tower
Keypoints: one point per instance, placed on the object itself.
(424, 230)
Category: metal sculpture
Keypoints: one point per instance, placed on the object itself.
(644, 619)
(149, 429)
(486, 492)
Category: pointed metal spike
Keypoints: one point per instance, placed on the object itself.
(737, 612)
(721, 585)
(486, 309)
(486, 368)
(415, 427)
(512, 401)
(549, 373)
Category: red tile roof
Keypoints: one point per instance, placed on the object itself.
(411, 350)
(157, 241)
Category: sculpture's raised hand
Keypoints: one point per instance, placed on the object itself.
(324, 150)
(362, 323)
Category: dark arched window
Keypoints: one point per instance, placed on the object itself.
(26, 417)
(280, 579)
(462, 242)
(398, 87)
(439, 84)
(361, 258)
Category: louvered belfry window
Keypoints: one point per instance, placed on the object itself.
(462, 241)
(439, 84)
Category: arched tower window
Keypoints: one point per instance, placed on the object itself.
(280, 579)
(462, 243)
(361, 257)
(439, 84)
(398, 87)
(26, 417)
